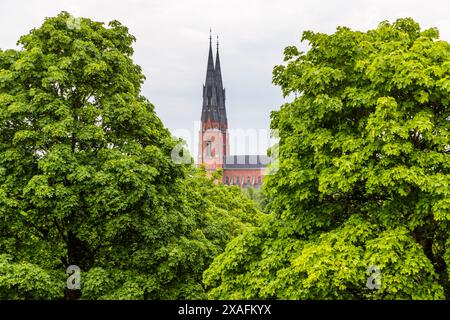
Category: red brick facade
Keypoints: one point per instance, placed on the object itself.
(244, 177)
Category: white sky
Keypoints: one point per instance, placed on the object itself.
(172, 43)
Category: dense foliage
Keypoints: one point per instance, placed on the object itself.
(364, 174)
(87, 178)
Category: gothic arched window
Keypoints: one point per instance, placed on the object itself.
(227, 181)
(237, 180)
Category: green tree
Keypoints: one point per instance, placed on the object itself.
(257, 195)
(211, 214)
(364, 175)
(87, 179)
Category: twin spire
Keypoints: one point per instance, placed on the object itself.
(213, 111)
(213, 69)
(210, 42)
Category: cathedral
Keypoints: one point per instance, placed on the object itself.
(214, 148)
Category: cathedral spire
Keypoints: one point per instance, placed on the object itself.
(220, 90)
(217, 64)
(210, 67)
(214, 145)
(210, 104)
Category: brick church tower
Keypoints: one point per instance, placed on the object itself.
(214, 149)
(213, 135)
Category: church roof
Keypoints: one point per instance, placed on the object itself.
(213, 110)
(246, 161)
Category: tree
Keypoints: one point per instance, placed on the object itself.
(257, 196)
(87, 178)
(364, 173)
(212, 214)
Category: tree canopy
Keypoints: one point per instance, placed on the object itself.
(87, 178)
(364, 173)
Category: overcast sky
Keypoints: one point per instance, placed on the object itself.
(172, 44)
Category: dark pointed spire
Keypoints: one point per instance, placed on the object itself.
(217, 64)
(213, 110)
(220, 90)
(209, 89)
(210, 68)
